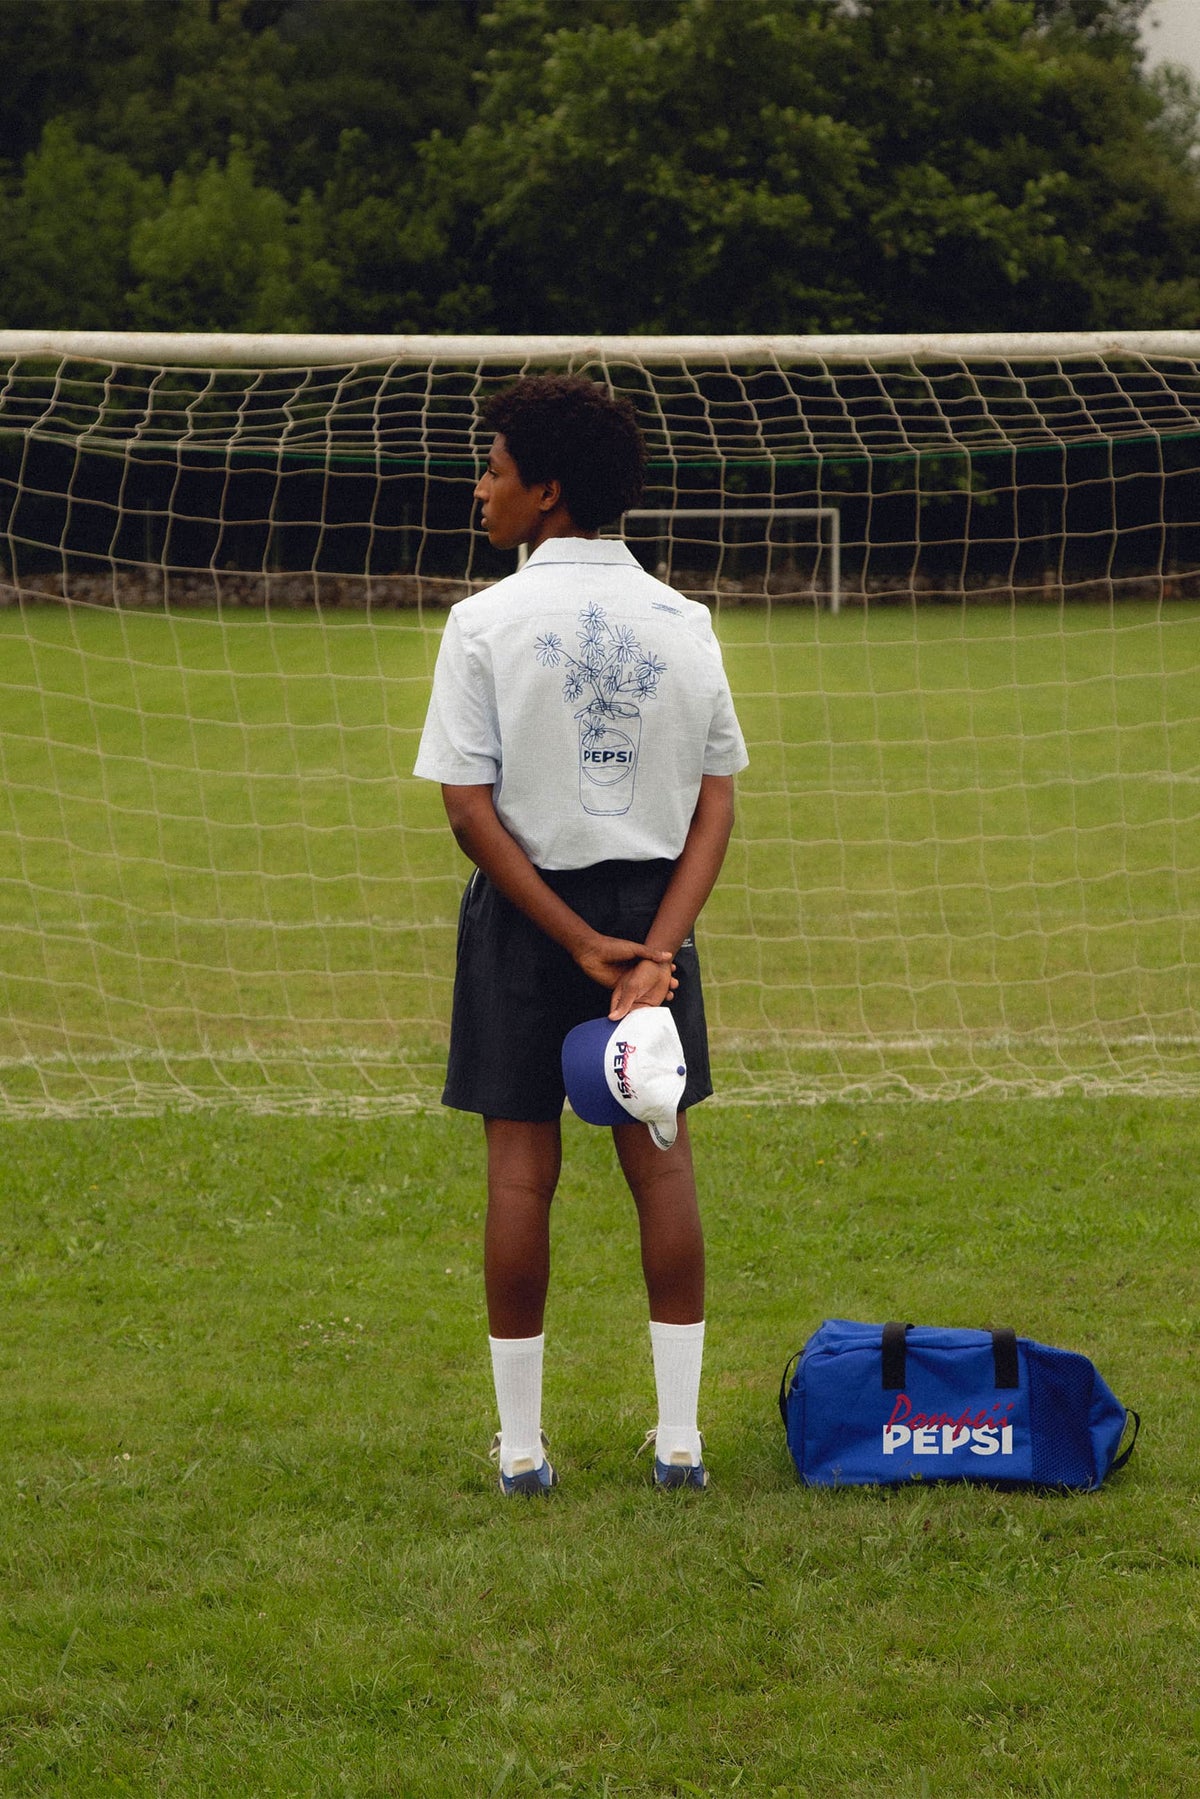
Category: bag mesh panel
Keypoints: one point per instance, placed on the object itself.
(1060, 1395)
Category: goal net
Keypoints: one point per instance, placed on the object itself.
(957, 586)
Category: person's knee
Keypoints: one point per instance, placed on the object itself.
(647, 1168)
(665, 1184)
(511, 1188)
(523, 1160)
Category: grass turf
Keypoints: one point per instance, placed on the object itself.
(251, 1542)
(966, 854)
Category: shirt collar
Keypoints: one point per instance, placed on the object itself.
(611, 550)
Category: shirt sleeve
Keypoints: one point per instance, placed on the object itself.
(460, 744)
(725, 750)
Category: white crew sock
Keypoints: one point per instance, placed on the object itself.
(517, 1372)
(678, 1353)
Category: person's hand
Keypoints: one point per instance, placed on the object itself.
(607, 959)
(645, 984)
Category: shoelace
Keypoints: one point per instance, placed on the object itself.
(652, 1437)
(494, 1451)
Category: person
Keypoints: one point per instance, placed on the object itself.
(582, 730)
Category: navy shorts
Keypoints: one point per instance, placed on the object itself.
(517, 993)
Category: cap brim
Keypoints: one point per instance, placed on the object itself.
(664, 1131)
(583, 1057)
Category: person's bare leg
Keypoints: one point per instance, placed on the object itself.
(664, 1190)
(663, 1185)
(523, 1163)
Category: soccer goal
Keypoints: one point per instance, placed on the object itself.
(957, 586)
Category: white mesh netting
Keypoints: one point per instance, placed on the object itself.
(957, 591)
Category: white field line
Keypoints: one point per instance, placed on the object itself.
(141, 1101)
(350, 1056)
(335, 1056)
(114, 1087)
(1084, 1037)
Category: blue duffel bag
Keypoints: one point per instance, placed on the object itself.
(881, 1404)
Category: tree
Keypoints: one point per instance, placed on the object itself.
(59, 59)
(327, 103)
(67, 230)
(587, 165)
(671, 168)
(225, 254)
(1019, 177)
(809, 164)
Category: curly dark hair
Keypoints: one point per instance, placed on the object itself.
(568, 429)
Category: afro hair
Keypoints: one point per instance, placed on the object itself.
(568, 429)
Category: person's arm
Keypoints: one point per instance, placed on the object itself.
(695, 875)
(483, 838)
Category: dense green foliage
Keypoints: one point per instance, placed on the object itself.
(391, 165)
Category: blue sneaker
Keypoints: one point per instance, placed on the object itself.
(525, 1478)
(680, 1471)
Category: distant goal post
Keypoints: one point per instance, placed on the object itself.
(828, 523)
(677, 521)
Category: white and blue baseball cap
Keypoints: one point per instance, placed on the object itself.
(631, 1069)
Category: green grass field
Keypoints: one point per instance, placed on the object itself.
(966, 858)
(250, 1540)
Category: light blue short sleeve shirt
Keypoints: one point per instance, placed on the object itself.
(591, 698)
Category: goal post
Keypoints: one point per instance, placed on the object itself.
(957, 585)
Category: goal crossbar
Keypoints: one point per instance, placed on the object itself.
(252, 350)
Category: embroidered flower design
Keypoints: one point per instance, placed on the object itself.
(647, 675)
(625, 646)
(611, 666)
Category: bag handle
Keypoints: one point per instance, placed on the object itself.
(1128, 1449)
(783, 1385)
(895, 1350)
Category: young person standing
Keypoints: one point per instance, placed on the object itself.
(585, 740)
